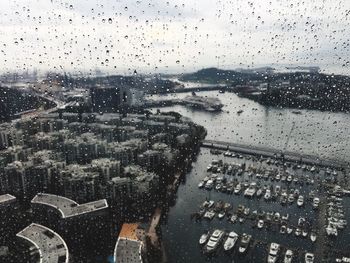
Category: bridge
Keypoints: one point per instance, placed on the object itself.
(272, 152)
(199, 89)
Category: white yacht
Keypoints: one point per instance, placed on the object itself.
(313, 236)
(316, 202)
(244, 244)
(201, 184)
(204, 238)
(214, 240)
(267, 195)
(209, 185)
(273, 253)
(309, 258)
(250, 191)
(288, 257)
(230, 241)
(221, 214)
(300, 201)
(209, 215)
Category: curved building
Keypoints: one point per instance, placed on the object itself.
(51, 247)
(67, 207)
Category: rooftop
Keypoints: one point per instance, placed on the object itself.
(129, 245)
(67, 207)
(51, 246)
(128, 251)
(7, 198)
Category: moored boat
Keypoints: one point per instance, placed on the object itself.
(244, 244)
(309, 258)
(288, 257)
(273, 253)
(204, 238)
(230, 241)
(214, 240)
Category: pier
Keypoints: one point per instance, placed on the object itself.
(273, 153)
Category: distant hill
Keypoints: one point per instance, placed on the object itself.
(215, 75)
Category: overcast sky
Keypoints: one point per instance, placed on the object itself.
(120, 36)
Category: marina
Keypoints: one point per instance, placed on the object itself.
(264, 201)
(257, 138)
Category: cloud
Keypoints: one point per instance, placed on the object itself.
(180, 36)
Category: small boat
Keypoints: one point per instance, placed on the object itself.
(285, 217)
(259, 193)
(288, 257)
(267, 195)
(301, 221)
(273, 253)
(289, 230)
(221, 214)
(260, 224)
(209, 215)
(313, 236)
(233, 218)
(238, 189)
(209, 185)
(304, 233)
(246, 211)
(227, 206)
(283, 229)
(230, 241)
(210, 203)
(300, 201)
(214, 240)
(291, 198)
(278, 189)
(284, 198)
(219, 206)
(309, 258)
(244, 244)
(298, 232)
(218, 187)
(277, 216)
(250, 191)
(316, 202)
(201, 184)
(204, 238)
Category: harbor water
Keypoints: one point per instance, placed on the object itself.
(323, 134)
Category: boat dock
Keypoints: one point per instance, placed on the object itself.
(272, 153)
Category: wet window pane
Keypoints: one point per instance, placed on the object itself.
(174, 131)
